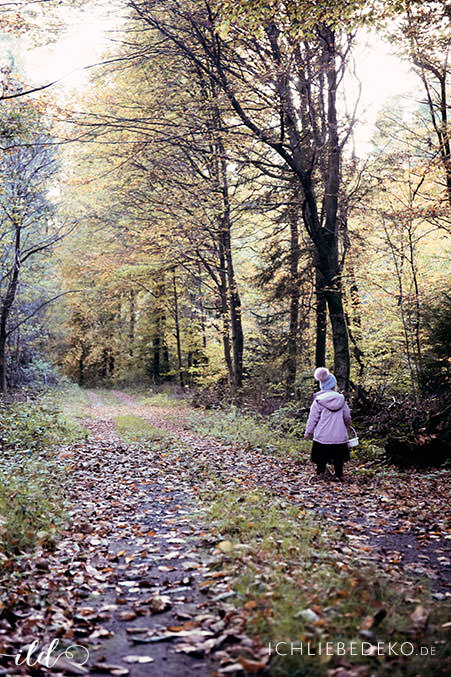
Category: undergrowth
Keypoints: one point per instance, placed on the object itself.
(31, 501)
(162, 400)
(279, 433)
(269, 434)
(34, 425)
(32, 478)
(298, 583)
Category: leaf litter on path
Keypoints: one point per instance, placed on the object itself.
(128, 578)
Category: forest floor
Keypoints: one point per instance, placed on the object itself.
(189, 555)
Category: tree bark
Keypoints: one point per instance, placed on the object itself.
(323, 229)
(3, 379)
(225, 314)
(295, 291)
(81, 368)
(235, 308)
(177, 328)
(156, 357)
(225, 234)
(334, 299)
(202, 315)
(132, 321)
(6, 304)
(333, 289)
(321, 322)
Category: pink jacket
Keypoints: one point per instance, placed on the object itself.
(328, 418)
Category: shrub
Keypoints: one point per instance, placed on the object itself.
(34, 426)
(31, 478)
(31, 503)
(436, 368)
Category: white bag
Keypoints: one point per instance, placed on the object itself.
(353, 441)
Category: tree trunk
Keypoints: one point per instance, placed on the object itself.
(104, 371)
(416, 313)
(322, 229)
(111, 362)
(177, 329)
(156, 357)
(234, 297)
(3, 381)
(333, 290)
(340, 338)
(321, 322)
(225, 314)
(295, 292)
(202, 314)
(6, 304)
(81, 371)
(165, 365)
(81, 365)
(132, 321)
(218, 169)
(235, 317)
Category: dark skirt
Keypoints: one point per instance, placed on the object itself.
(329, 452)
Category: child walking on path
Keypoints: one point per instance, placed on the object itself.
(328, 421)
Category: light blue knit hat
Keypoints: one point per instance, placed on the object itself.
(327, 381)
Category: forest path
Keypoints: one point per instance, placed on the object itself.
(135, 593)
(133, 578)
(400, 519)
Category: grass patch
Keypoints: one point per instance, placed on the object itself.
(296, 582)
(108, 397)
(134, 429)
(259, 433)
(163, 400)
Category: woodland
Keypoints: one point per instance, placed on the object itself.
(182, 242)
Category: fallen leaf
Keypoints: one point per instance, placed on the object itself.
(225, 546)
(137, 659)
(159, 603)
(252, 666)
(112, 669)
(420, 617)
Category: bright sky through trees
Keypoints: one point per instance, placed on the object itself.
(89, 34)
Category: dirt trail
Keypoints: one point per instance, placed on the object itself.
(129, 578)
(141, 560)
(124, 581)
(401, 520)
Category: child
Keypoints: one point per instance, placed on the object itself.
(328, 421)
